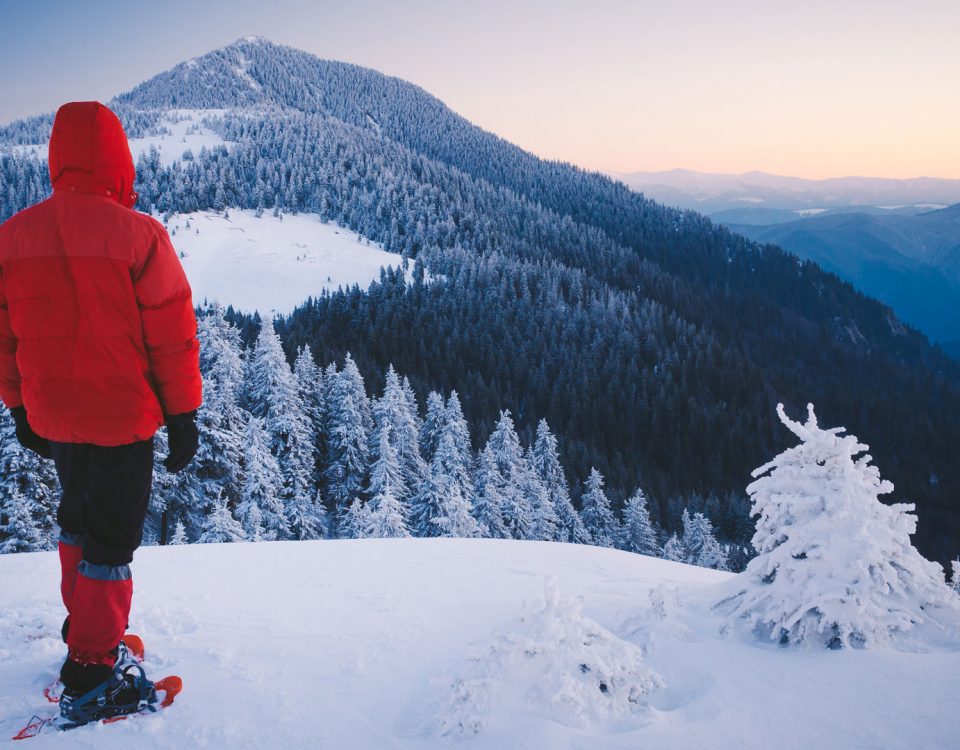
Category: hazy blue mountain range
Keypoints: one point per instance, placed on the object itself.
(655, 342)
(910, 262)
(754, 193)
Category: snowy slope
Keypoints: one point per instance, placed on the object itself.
(271, 264)
(357, 644)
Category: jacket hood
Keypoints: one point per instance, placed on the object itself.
(89, 153)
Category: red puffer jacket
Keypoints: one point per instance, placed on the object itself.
(97, 331)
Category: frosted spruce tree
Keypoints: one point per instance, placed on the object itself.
(355, 521)
(261, 509)
(442, 507)
(20, 533)
(179, 535)
(544, 522)
(396, 413)
(515, 507)
(596, 513)
(432, 424)
(220, 525)
(34, 479)
(834, 565)
(348, 414)
(488, 499)
(546, 461)
(220, 420)
(700, 546)
(673, 550)
(388, 515)
(639, 534)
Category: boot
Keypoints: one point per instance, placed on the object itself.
(96, 691)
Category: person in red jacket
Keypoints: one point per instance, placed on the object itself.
(98, 349)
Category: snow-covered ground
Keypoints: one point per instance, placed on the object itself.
(271, 264)
(186, 133)
(414, 643)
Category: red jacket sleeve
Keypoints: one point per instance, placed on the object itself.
(169, 326)
(9, 372)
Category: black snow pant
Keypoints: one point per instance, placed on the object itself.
(106, 491)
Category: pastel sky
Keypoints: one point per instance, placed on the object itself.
(806, 88)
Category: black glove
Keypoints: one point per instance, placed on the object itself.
(183, 439)
(27, 437)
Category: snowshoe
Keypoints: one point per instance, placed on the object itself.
(129, 651)
(126, 691)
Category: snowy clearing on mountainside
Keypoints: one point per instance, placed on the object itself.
(408, 643)
(187, 133)
(271, 264)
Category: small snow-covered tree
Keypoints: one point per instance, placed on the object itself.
(348, 417)
(20, 532)
(355, 522)
(639, 534)
(545, 458)
(596, 512)
(261, 508)
(515, 507)
(432, 425)
(488, 498)
(673, 550)
(396, 414)
(387, 517)
(179, 535)
(544, 522)
(442, 508)
(834, 565)
(220, 419)
(220, 525)
(699, 544)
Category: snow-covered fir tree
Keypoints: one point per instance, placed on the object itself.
(347, 438)
(544, 522)
(23, 472)
(451, 483)
(261, 510)
(355, 521)
(515, 507)
(176, 498)
(220, 419)
(396, 414)
(546, 461)
(432, 424)
(179, 535)
(834, 565)
(673, 550)
(488, 499)
(388, 515)
(699, 544)
(596, 513)
(20, 532)
(220, 525)
(639, 534)
(442, 505)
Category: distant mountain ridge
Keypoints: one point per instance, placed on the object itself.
(711, 193)
(654, 342)
(910, 262)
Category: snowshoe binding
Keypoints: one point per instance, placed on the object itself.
(126, 691)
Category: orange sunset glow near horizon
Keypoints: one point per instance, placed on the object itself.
(809, 89)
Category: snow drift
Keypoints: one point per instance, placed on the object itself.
(359, 644)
